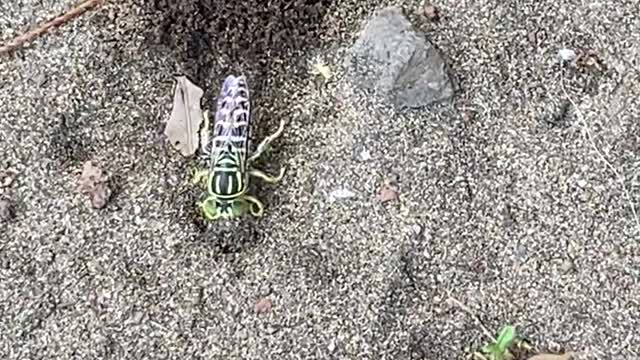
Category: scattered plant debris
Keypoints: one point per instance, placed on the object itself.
(76, 11)
(263, 305)
(508, 345)
(499, 349)
(184, 124)
(590, 60)
(565, 356)
(587, 59)
(94, 182)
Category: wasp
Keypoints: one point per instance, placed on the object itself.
(230, 167)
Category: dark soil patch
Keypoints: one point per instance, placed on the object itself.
(67, 145)
(266, 41)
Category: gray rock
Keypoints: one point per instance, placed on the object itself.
(393, 60)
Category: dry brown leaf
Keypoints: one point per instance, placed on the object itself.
(186, 117)
(263, 305)
(590, 59)
(94, 183)
(565, 356)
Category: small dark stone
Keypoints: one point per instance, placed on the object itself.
(7, 211)
(431, 12)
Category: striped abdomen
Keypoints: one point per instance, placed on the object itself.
(228, 178)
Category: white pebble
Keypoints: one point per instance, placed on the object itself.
(566, 54)
(341, 194)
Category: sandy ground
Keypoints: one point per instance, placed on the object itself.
(504, 203)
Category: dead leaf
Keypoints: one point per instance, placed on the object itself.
(94, 183)
(387, 194)
(263, 306)
(566, 356)
(184, 124)
(590, 60)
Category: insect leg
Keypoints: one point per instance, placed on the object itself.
(204, 135)
(266, 142)
(210, 211)
(255, 206)
(199, 176)
(266, 177)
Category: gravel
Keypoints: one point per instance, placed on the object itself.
(503, 201)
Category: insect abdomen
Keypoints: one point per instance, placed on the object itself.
(227, 180)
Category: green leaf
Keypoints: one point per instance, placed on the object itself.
(506, 338)
(489, 348)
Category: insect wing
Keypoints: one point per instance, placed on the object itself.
(232, 118)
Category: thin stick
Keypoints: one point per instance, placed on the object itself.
(474, 316)
(57, 21)
(590, 139)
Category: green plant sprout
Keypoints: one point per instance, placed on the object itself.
(500, 348)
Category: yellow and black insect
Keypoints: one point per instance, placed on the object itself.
(227, 176)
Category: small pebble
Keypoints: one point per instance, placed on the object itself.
(6, 210)
(387, 194)
(341, 194)
(263, 305)
(567, 265)
(6, 179)
(431, 12)
(415, 229)
(332, 346)
(567, 55)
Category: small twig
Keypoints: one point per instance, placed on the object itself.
(41, 29)
(590, 139)
(474, 316)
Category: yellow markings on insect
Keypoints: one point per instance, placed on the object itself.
(239, 181)
(229, 187)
